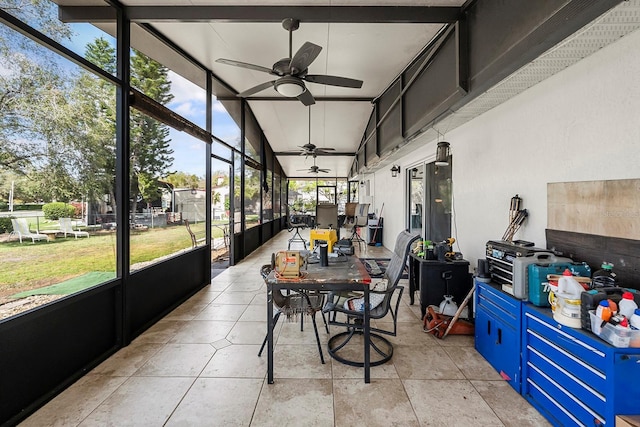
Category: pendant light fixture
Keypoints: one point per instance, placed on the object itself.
(442, 154)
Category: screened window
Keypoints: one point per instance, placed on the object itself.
(57, 174)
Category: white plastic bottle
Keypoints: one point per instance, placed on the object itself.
(627, 305)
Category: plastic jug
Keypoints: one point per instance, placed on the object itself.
(568, 286)
(627, 305)
(566, 302)
(448, 306)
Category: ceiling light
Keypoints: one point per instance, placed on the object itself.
(289, 86)
(442, 154)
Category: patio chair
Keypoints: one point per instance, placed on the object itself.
(67, 228)
(360, 220)
(382, 303)
(294, 304)
(21, 229)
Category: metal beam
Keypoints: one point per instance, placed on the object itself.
(317, 14)
(297, 153)
(318, 99)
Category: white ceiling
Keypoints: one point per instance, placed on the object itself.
(373, 53)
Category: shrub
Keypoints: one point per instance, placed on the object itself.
(5, 225)
(58, 210)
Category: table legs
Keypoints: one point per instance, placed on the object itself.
(270, 335)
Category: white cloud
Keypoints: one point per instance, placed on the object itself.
(185, 91)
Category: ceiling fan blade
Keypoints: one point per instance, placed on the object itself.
(323, 149)
(256, 89)
(333, 80)
(244, 65)
(324, 170)
(304, 57)
(307, 98)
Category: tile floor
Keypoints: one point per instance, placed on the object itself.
(199, 367)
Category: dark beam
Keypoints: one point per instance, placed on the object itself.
(333, 153)
(318, 14)
(318, 99)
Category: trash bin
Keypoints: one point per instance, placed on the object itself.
(375, 235)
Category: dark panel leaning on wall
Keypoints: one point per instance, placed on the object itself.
(593, 249)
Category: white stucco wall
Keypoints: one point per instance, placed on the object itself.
(581, 124)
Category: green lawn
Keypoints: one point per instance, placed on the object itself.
(29, 266)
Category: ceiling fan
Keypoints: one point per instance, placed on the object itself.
(310, 149)
(292, 71)
(314, 168)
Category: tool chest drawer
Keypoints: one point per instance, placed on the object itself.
(574, 378)
(497, 331)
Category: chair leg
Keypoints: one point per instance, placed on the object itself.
(324, 319)
(275, 320)
(315, 329)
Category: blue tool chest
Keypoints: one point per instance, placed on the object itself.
(497, 330)
(573, 377)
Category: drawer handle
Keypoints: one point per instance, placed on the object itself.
(499, 341)
(488, 327)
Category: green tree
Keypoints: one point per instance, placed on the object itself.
(93, 136)
(150, 151)
(183, 180)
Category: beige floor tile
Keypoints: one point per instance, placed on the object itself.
(449, 403)
(74, 404)
(243, 298)
(162, 332)
(225, 312)
(237, 361)
(220, 283)
(411, 333)
(509, 405)
(178, 360)
(218, 402)
(457, 341)
(128, 359)
(295, 402)
(187, 311)
(382, 403)
(300, 361)
(203, 332)
(472, 364)
(342, 371)
(248, 333)
(205, 296)
(291, 333)
(254, 313)
(424, 362)
(248, 284)
(140, 401)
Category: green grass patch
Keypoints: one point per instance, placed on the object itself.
(28, 266)
(70, 286)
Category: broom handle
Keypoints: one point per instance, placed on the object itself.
(373, 239)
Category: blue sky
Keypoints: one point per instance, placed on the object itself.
(189, 101)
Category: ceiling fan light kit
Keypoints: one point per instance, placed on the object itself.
(289, 86)
(293, 71)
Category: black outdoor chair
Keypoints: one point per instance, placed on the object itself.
(294, 304)
(355, 318)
